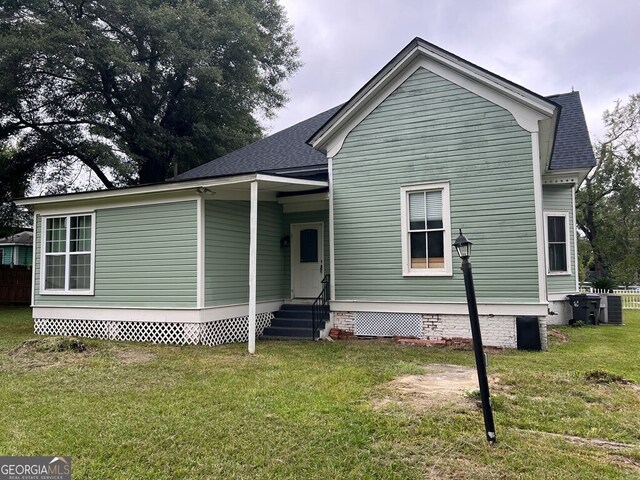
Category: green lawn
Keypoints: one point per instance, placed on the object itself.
(307, 410)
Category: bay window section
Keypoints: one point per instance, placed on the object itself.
(426, 230)
(68, 255)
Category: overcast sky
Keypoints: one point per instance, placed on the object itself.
(548, 46)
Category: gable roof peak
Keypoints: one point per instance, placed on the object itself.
(524, 103)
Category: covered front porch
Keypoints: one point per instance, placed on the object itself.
(265, 243)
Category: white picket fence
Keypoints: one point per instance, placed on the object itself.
(630, 300)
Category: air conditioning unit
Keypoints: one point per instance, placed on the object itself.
(611, 309)
(614, 308)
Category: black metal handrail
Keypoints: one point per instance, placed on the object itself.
(320, 309)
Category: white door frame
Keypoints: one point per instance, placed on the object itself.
(294, 240)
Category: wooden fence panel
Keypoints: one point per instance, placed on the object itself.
(15, 284)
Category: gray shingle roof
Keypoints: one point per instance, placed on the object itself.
(572, 146)
(288, 149)
(283, 150)
(22, 238)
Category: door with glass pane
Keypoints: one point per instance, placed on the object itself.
(307, 255)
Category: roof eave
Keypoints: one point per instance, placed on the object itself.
(165, 187)
(413, 50)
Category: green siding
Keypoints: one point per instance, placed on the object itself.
(7, 255)
(305, 217)
(25, 255)
(559, 198)
(145, 257)
(431, 130)
(227, 253)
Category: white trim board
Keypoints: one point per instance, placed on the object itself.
(443, 308)
(161, 315)
(200, 253)
(539, 218)
(332, 238)
(273, 182)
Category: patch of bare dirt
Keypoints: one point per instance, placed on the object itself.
(602, 377)
(438, 385)
(53, 352)
(48, 352)
(557, 335)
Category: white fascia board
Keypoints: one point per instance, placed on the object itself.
(543, 106)
(527, 109)
(133, 191)
(441, 308)
(169, 187)
(303, 198)
(261, 177)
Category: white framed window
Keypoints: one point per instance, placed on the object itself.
(556, 226)
(67, 255)
(426, 230)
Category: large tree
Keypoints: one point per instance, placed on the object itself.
(131, 87)
(608, 202)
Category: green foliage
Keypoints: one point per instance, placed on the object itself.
(13, 184)
(603, 283)
(608, 202)
(129, 88)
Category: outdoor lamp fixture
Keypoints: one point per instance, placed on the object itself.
(463, 247)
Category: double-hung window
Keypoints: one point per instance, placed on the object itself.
(67, 254)
(557, 233)
(426, 230)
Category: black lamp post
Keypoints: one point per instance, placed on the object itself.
(463, 247)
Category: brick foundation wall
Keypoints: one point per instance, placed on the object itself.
(497, 331)
(342, 321)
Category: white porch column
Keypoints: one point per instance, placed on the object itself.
(253, 257)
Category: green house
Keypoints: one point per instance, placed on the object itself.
(17, 249)
(354, 209)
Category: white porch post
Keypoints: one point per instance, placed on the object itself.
(253, 256)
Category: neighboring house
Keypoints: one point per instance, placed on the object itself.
(372, 192)
(17, 249)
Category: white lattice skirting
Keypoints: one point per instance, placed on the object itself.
(218, 332)
(376, 324)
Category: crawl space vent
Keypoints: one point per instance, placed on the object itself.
(379, 324)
